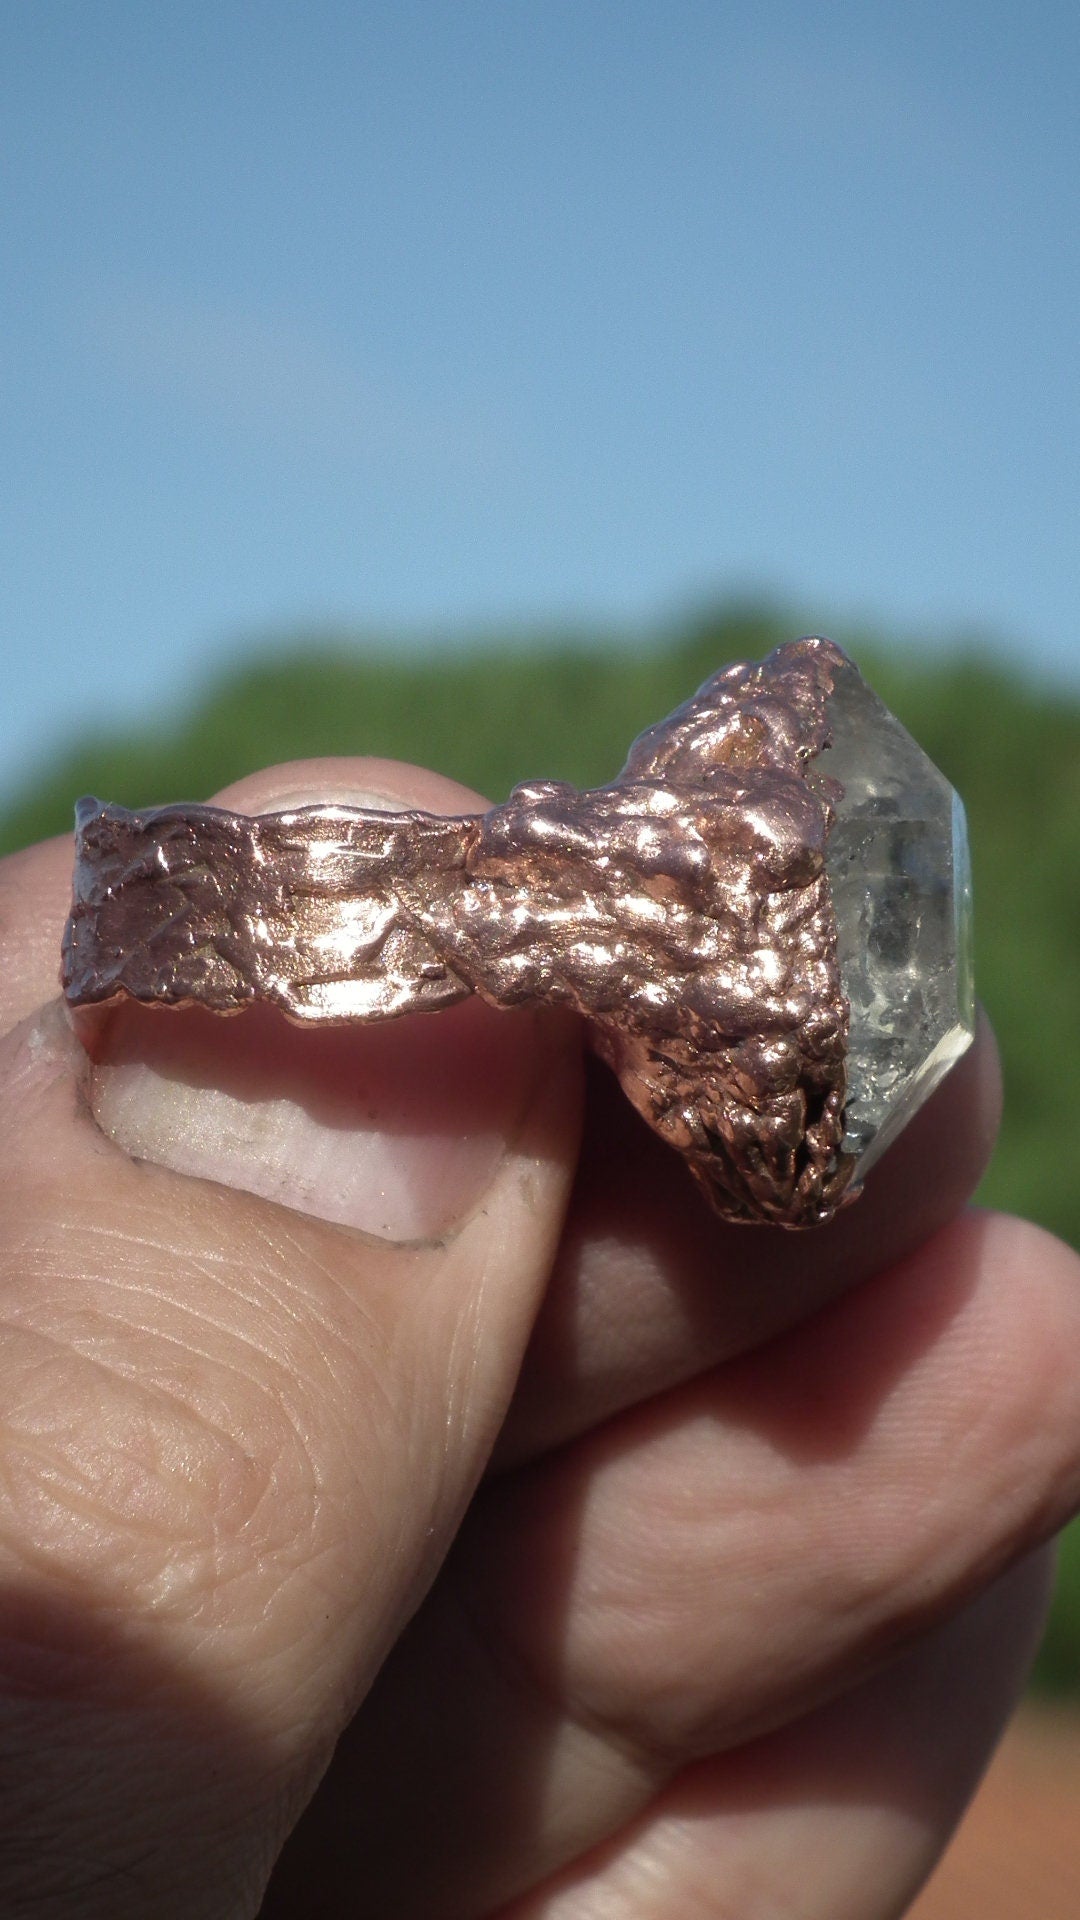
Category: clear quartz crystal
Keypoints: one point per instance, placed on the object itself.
(897, 861)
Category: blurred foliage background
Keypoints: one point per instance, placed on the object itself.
(495, 714)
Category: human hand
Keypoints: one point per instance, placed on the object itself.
(728, 1626)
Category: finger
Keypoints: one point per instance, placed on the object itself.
(842, 1815)
(239, 1434)
(715, 1563)
(650, 1288)
(35, 894)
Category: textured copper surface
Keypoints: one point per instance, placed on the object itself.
(683, 910)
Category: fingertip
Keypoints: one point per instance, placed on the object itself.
(361, 780)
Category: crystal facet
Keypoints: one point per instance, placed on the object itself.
(897, 860)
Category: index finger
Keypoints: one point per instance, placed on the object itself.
(650, 1288)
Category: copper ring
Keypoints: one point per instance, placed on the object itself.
(684, 911)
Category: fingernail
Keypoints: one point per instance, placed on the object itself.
(397, 1128)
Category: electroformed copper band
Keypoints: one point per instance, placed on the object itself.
(684, 911)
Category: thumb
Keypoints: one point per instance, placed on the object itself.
(267, 1292)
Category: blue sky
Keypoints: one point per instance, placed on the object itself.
(404, 317)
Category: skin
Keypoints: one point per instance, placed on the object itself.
(577, 1556)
